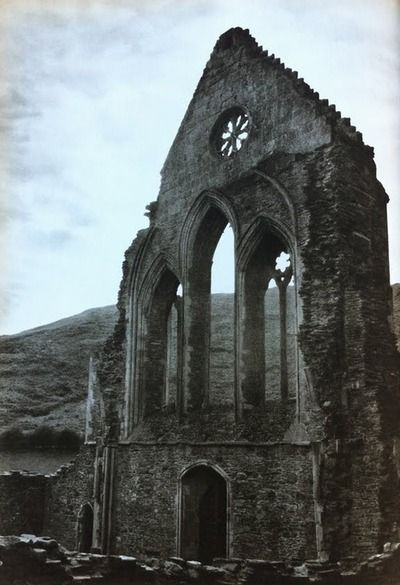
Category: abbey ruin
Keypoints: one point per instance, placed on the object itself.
(289, 449)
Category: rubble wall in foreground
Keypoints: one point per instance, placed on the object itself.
(40, 561)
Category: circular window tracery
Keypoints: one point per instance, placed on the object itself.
(230, 132)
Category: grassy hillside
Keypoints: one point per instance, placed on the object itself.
(44, 371)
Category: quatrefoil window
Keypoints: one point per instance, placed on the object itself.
(230, 132)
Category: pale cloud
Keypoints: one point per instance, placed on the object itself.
(52, 240)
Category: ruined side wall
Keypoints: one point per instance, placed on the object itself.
(271, 508)
(345, 295)
(68, 490)
(22, 502)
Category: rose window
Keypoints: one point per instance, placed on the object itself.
(230, 132)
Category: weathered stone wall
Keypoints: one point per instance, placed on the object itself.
(48, 504)
(271, 504)
(277, 417)
(303, 183)
(22, 502)
(346, 316)
(68, 490)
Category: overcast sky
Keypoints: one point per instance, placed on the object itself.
(96, 94)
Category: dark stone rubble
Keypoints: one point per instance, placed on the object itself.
(32, 560)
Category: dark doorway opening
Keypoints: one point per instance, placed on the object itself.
(85, 528)
(204, 517)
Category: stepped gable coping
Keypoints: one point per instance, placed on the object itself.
(241, 37)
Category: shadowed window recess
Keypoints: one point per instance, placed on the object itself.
(85, 528)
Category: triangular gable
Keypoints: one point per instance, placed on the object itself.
(287, 115)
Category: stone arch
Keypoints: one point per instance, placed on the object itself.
(204, 512)
(258, 250)
(84, 532)
(159, 265)
(133, 315)
(155, 299)
(195, 216)
(142, 245)
(253, 235)
(200, 235)
(281, 192)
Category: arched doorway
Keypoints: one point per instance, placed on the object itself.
(85, 528)
(203, 514)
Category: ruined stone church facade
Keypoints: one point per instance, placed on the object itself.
(304, 465)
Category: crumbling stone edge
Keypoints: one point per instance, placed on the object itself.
(41, 560)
